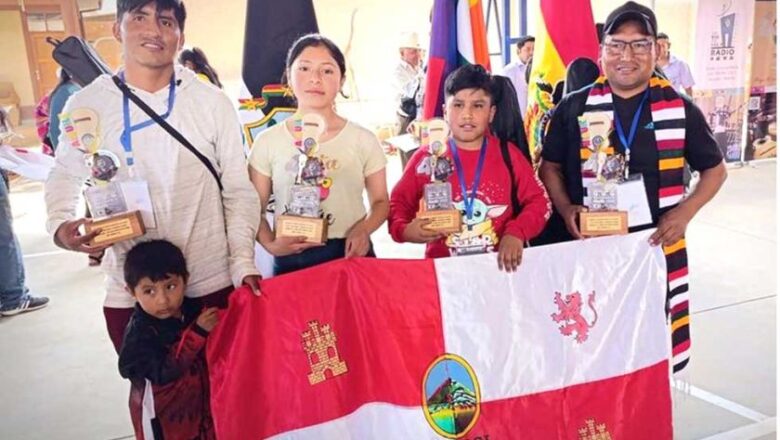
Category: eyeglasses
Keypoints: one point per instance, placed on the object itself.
(638, 47)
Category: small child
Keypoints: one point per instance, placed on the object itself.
(503, 204)
(162, 351)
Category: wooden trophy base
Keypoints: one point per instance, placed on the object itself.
(599, 223)
(117, 228)
(447, 221)
(315, 229)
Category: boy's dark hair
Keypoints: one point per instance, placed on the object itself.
(156, 260)
(470, 76)
(525, 39)
(662, 36)
(179, 12)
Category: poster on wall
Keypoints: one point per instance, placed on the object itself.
(763, 73)
(723, 30)
(762, 127)
(724, 110)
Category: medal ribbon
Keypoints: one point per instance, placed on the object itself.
(468, 202)
(626, 142)
(127, 134)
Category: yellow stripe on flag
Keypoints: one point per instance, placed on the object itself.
(668, 250)
(680, 322)
(548, 69)
(670, 164)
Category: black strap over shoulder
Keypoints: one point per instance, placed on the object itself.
(508, 162)
(172, 131)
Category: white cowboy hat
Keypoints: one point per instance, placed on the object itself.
(409, 40)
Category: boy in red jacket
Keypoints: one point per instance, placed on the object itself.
(163, 349)
(480, 177)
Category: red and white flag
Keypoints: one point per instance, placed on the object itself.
(573, 346)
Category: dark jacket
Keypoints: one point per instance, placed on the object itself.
(165, 362)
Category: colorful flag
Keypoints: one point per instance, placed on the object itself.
(573, 345)
(458, 37)
(562, 36)
(271, 28)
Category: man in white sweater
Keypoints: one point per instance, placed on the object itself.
(214, 229)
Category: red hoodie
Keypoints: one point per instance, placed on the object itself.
(492, 216)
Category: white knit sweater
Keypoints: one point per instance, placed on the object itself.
(216, 232)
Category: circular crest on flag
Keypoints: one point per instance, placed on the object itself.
(451, 397)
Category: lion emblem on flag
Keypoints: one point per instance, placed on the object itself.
(570, 315)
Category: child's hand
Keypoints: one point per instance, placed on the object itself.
(208, 319)
(510, 253)
(415, 232)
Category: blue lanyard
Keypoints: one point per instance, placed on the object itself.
(634, 124)
(468, 202)
(127, 134)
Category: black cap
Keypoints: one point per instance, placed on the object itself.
(631, 11)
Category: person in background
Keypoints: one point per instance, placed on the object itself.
(57, 99)
(674, 69)
(408, 81)
(195, 60)
(516, 70)
(15, 297)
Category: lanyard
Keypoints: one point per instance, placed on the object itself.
(127, 134)
(626, 142)
(468, 202)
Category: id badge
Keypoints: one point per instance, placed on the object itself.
(105, 200)
(632, 197)
(138, 198)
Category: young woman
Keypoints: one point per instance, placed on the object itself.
(349, 155)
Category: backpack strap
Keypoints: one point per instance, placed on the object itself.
(508, 163)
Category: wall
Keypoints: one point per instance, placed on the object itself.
(15, 67)
(374, 51)
(217, 27)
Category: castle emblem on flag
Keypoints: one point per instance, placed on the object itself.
(592, 431)
(319, 342)
(450, 395)
(570, 315)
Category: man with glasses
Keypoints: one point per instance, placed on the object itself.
(655, 131)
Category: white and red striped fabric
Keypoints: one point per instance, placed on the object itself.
(452, 348)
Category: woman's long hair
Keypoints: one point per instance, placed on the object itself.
(507, 123)
(200, 64)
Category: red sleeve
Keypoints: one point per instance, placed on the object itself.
(405, 197)
(536, 206)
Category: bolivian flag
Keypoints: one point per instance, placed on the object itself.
(566, 31)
